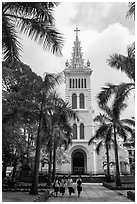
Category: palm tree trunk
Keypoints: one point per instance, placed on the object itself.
(28, 147)
(34, 185)
(5, 162)
(54, 162)
(118, 180)
(50, 165)
(14, 168)
(108, 167)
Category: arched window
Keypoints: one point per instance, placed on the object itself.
(74, 101)
(74, 131)
(70, 83)
(82, 101)
(81, 131)
(85, 83)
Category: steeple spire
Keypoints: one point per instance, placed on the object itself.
(77, 60)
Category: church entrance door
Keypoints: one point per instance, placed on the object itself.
(78, 162)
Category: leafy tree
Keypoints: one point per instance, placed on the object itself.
(21, 87)
(35, 19)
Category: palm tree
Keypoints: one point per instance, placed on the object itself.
(59, 128)
(50, 81)
(117, 127)
(35, 19)
(104, 134)
(64, 114)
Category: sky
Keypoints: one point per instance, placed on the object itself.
(104, 30)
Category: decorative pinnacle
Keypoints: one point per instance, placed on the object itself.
(77, 30)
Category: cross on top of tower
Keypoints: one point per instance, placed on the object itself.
(77, 30)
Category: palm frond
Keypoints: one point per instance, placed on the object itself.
(122, 133)
(128, 121)
(92, 139)
(129, 130)
(98, 147)
(34, 19)
(51, 80)
(123, 63)
(105, 94)
(10, 45)
(131, 11)
(42, 33)
(119, 104)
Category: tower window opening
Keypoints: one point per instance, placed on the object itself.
(73, 84)
(79, 83)
(74, 101)
(74, 131)
(85, 83)
(76, 83)
(70, 83)
(81, 131)
(82, 101)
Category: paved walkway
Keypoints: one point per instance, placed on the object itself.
(91, 193)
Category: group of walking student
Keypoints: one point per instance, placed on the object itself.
(61, 184)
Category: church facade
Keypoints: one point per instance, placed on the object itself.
(82, 157)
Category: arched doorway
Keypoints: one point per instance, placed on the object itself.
(79, 161)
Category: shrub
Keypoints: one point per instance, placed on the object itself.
(131, 195)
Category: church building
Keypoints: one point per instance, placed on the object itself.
(82, 157)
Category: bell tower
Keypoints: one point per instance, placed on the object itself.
(78, 95)
(78, 87)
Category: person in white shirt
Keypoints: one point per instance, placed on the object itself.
(63, 185)
(70, 185)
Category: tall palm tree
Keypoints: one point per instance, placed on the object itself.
(104, 135)
(50, 81)
(64, 114)
(35, 19)
(60, 114)
(119, 127)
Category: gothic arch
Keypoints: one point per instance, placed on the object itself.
(74, 131)
(79, 161)
(82, 101)
(74, 101)
(81, 131)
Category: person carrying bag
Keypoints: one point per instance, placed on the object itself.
(79, 183)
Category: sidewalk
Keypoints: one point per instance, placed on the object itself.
(92, 193)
